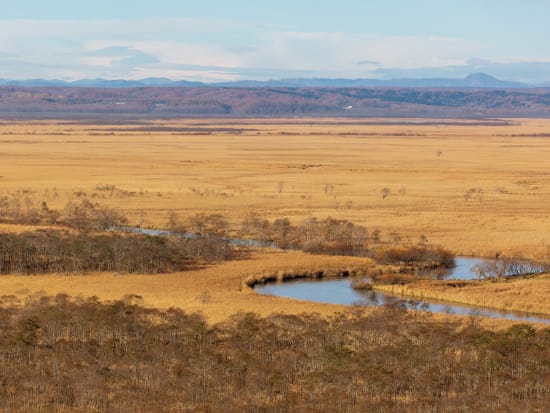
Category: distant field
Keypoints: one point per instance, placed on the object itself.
(476, 188)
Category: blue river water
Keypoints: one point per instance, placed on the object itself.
(340, 291)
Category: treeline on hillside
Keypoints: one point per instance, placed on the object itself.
(86, 356)
(48, 251)
(274, 101)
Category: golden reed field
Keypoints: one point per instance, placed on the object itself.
(476, 188)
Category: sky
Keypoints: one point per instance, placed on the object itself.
(206, 40)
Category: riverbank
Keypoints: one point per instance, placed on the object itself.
(526, 294)
(217, 292)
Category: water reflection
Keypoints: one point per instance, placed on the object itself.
(470, 268)
(340, 292)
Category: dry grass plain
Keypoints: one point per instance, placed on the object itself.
(216, 291)
(476, 189)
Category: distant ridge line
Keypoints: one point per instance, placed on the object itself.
(475, 80)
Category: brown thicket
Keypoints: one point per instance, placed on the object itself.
(87, 216)
(431, 256)
(22, 210)
(341, 237)
(60, 251)
(86, 356)
(84, 215)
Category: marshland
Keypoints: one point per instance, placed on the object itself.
(384, 201)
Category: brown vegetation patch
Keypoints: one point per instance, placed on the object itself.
(86, 356)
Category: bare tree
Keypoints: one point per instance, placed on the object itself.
(174, 224)
(474, 193)
(280, 187)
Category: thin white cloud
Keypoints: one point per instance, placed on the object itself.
(206, 49)
(333, 52)
(171, 52)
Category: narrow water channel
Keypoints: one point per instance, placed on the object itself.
(340, 291)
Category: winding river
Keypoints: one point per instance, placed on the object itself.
(340, 291)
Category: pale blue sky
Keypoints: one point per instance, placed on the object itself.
(244, 39)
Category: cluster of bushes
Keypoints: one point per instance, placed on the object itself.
(24, 211)
(430, 256)
(508, 267)
(87, 216)
(201, 224)
(341, 237)
(328, 236)
(61, 251)
(84, 215)
(318, 236)
(87, 356)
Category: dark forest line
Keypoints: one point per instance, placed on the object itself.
(272, 101)
(49, 251)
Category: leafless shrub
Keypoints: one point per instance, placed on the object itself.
(208, 224)
(415, 254)
(13, 209)
(328, 189)
(174, 224)
(474, 193)
(105, 187)
(87, 216)
(342, 237)
(506, 267)
(280, 187)
(204, 297)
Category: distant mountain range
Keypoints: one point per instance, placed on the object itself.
(476, 80)
(102, 83)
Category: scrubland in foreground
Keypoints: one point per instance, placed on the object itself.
(86, 356)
